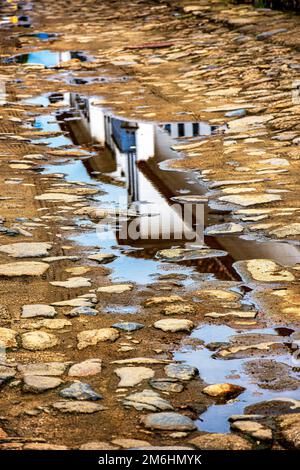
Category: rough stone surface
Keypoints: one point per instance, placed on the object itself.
(181, 371)
(115, 289)
(74, 406)
(86, 368)
(224, 390)
(38, 340)
(253, 429)
(147, 400)
(38, 310)
(289, 428)
(23, 268)
(131, 376)
(80, 391)
(8, 338)
(168, 421)
(93, 337)
(26, 250)
(174, 325)
(39, 383)
(51, 369)
(220, 442)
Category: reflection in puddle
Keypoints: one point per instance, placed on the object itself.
(125, 163)
(134, 153)
(47, 58)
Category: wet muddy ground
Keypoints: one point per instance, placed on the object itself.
(114, 117)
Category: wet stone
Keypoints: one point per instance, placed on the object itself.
(174, 325)
(147, 400)
(224, 390)
(289, 426)
(128, 326)
(77, 311)
(80, 391)
(86, 368)
(102, 257)
(168, 421)
(252, 429)
(166, 385)
(74, 406)
(274, 407)
(39, 384)
(131, 376)
(38, 310)
(181, 371)
(262, 270)
(223, 229)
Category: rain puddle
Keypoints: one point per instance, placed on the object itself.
(213, 370)
(47, 58)
(124, 159)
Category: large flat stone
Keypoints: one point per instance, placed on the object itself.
(23, 268)
(26, 250)
(168, 421)
(38, 310)
(93, 337)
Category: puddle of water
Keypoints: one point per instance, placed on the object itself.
(213, 370)
(46, 57)
(131, 155)
(135, 154)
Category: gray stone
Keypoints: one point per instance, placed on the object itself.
(131, 376)
(51, 369)
(39, 384)
(128, 326)
(147, 400)
(181, 371)
(26, 250)
(166, 385)
(168, 421)
(103, 258)
(75, 312)
(75, 406)
(38, 310)
(80, 391)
